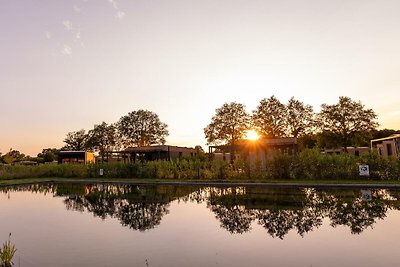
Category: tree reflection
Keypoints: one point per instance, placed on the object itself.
(300, 209)
(278, 211)
(235, 219)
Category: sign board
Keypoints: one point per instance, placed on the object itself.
(366, 195)
(364, 170)
(101, 172)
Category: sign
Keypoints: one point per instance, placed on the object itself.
(366, 195)
(364, 170)
(101, 172)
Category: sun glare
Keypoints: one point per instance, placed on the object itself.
(252, 135)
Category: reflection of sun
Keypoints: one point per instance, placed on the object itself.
(252, 135)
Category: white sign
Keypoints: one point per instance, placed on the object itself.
(364, 170)
(366, 195)
(101, 172)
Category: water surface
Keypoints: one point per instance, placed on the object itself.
(124, 225)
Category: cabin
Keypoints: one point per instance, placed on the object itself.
(75, 157)
(159, 152)
(387, 146)
(251, 149)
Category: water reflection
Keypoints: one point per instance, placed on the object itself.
(277, 210)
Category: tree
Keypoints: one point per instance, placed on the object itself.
(48, 154)
(142, 128)
(228, 125)
(12, 156)
(270, 118)
(75, 140)
(347, 120)
(300, 118)
(102, 138)
(376, 134)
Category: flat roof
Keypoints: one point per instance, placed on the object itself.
(394, 136)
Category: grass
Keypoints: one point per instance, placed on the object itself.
(309, 166)
(7, 253)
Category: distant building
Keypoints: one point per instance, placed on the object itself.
(75, 157)
(388, 146)
(25, 162)
(355, 151)
(159, 152)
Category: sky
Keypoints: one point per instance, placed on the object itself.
(68, 65)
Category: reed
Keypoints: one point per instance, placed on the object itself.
(309, 164)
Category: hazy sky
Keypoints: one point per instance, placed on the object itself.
(67, 65)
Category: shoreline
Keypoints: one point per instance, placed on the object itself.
(278, 184)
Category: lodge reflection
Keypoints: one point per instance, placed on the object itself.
(279, 211)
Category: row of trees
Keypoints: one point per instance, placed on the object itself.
(343, 122)
(137, 128)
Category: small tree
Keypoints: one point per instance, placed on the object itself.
(12, 156)
(48, 154)
(270, 118)
(228, 125)
(142, 128)
(347, 120)
(76, 141)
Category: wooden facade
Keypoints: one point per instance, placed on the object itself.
(388, 146)
(159, 152)
(260, 148)
(75, 157)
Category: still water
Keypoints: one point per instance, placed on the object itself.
(125, 225)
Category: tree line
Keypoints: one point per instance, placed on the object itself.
(343, 124)
(346, 123)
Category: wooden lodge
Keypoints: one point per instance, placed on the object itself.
(260, 148)
(75, 157)
(159, 152)
(388, 146)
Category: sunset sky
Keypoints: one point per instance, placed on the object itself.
(67, 65)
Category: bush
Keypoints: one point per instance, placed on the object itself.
(309, 164)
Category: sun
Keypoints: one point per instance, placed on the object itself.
(252, 135)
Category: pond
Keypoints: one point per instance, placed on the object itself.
(164, 225)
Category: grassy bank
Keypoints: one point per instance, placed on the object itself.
(309, 165)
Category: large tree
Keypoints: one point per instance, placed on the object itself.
(270, 118)
(347, 120)
(75, 141)
(300, 118)
(101, 138)
(142, 128)
(228, 125)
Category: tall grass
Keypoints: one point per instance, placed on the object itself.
(309, 164)
(7, 253)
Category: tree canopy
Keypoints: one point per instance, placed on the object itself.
(270, 118)
(300, 118)
(142, 128)
(228, 125)
(75, 141)
(347, 120)
(101, 138)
